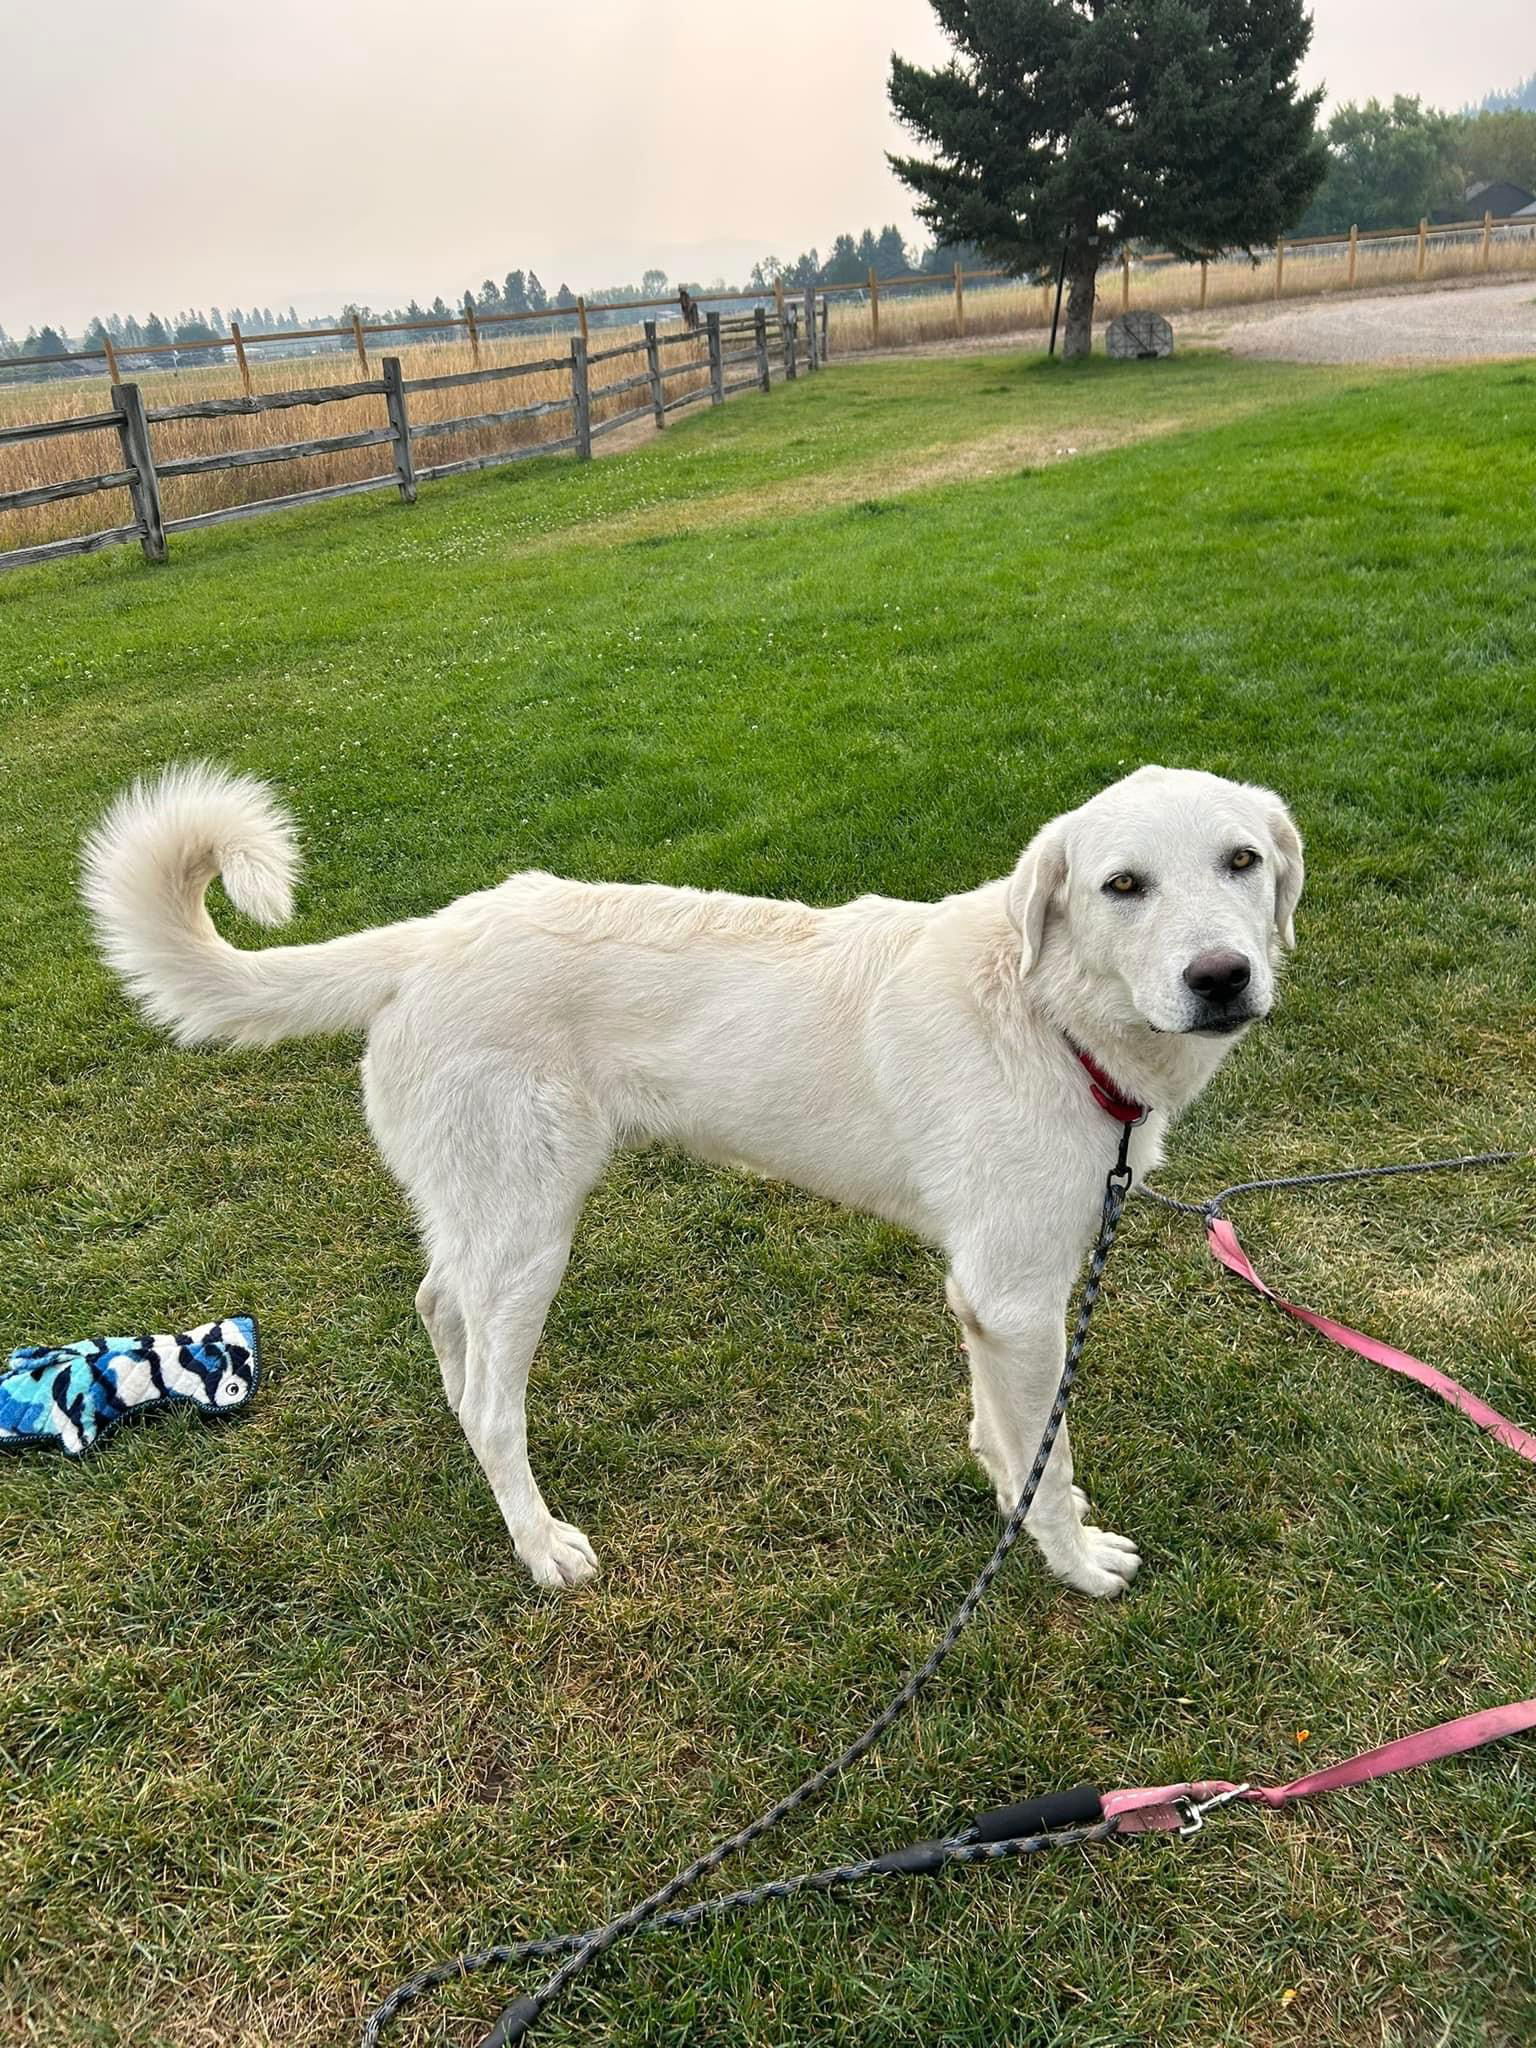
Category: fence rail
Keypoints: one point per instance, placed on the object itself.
(142, 470)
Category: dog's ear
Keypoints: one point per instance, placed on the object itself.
(1034, 886)
(1290, 868)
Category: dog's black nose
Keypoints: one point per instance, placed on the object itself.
(1218, 977)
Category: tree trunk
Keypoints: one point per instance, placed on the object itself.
(1082, 278)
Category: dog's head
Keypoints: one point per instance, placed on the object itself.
(1164, 901)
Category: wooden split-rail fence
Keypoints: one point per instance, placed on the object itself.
(742, 353)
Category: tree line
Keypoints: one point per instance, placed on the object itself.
(194, 332)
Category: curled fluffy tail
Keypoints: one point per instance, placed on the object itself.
(144, 873)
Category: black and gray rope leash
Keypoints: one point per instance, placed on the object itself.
(975, 1845)
(1061, 1820)
(584, 1949)
(1219, 1201)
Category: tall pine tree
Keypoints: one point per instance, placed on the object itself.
(1091, 123)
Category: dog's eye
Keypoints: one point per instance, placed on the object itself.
(1244, 857)
(1124, 885)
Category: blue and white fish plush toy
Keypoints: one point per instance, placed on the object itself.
(67, 1395)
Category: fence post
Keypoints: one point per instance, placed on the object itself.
(474, 330)
(812, 359)
(874, 310)
(716, 366)
(581, 404)
(1125, 278)
(1204, 268)
(760, 341)
(1279, 266)
(245, 369)
(653, 371)
(357, 339)
(128, 404)
(778, 300)
(1487, 239)
(1354, 250)
(826, 305)
(399, 426)
(581, 317)
(1418, 265)
(790, 367)
(111, 355)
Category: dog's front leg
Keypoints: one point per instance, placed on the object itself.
(1015, 1344)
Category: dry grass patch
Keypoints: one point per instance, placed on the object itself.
(30, 463)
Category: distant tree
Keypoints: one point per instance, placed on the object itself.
(45, 341)
(193, 327)
(943, 256)
(490, 296)
(514, 292)
(564, 299)
(868, 251)
(1497, 145)
(154, 335)
(891, 254)
(1522, 96)
(653, 284)
(1099, 124)
(538, 298)
(1387, 167)
(842, 266)
(806, 270)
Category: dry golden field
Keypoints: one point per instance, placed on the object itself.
(26, 464)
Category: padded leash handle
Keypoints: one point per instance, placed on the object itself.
(1080, 1807)
(1048, 1815)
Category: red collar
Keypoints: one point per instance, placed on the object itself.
(1125, 1109)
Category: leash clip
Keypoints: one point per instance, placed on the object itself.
(1195, 1810)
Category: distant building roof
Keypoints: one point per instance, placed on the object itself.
(1500, 197)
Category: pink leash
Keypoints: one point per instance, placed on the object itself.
(1225, 1248)
(1222, 1239)
(1143, 1809)
(1147, 1808)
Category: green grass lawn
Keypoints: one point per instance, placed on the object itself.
(281, 1718)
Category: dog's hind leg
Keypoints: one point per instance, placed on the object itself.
(438, 1307)
(497, 1162)
(504, 1313)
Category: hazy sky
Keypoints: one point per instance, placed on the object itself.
(202, 151)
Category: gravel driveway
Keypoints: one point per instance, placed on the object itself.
(1465, 323)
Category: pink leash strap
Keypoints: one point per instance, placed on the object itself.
(1149, 1808)
(1223, 1241)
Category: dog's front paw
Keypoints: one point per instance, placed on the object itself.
(1103, 1566)
(558, 1555)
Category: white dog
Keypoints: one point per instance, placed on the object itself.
(919, 1060)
